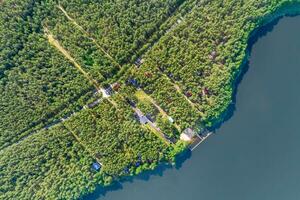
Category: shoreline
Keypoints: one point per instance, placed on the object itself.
(264, 26)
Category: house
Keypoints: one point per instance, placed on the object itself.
(171, 120)
(94, 104)
(143, 119)
(116, 86)
(139, 62)
(126, 170)
(205, 92)
(107, 92)
(148, 74)
(189, 94)
(188, 135)
(133, 82)
(96, 166)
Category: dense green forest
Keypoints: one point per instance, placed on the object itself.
(174, 61)
(32, 94)
(44, 164)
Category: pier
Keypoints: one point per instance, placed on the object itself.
(198, 140)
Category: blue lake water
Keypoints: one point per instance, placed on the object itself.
(255, 155)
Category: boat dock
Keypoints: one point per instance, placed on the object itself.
(198, 140)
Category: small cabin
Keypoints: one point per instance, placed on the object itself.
(143, 119)
(188, 135)
(133, 82)
(116, 86)
(139, 62)
(94, 104)
(205, 92)
(171, 120)
(126, 170)
(189, 94)
(148, 74)
(96, 166)
(213, 55)
(130, 102)
(107, 92)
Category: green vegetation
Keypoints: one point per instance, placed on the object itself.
(55, 162)
(121, 27)
(204, 53)
(55, 55)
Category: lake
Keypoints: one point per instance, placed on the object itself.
(255, 155)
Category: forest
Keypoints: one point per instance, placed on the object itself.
(174, 62)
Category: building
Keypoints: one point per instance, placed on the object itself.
(143, 119)
(133, 82)
(107, 92)
(96, 166)
(188, 135)
(171, 120)
(130, 102)
(116, 86)
(94, 104)
(139, 62)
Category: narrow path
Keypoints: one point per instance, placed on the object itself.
(67, 55)
(172, 27)
(88, 35)
(162, 112)
(77, 138)
(51, 125)
(91, 80)
(179, 90)
(151, 124)
(58, 46)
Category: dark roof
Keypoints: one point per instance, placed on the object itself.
(108, 90)
(137, 164)
(138, 62)
(133, 82)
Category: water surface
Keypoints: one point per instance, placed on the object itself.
(256, 154)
